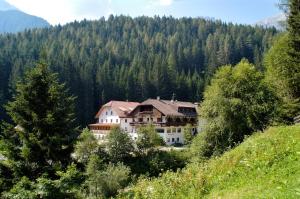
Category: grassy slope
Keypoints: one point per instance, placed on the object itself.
(266, 165)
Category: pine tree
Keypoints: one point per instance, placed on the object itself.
(294, 50)
(43, 138)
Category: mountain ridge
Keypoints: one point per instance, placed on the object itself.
(13, 20)
(4, 5)
(277, 21)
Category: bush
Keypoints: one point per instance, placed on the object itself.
(107, 182)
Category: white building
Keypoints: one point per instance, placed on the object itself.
(114, 113)
(169, 118)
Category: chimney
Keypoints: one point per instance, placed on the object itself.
(158, 98)
(173, 98)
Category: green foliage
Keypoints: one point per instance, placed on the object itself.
(284, 78)
(266, 165)
(119, 145)
(131, 58)
(23, 189)
(66, 187)
(70, 181)
(85, 146)
(187, 133)
(283, 65)
(237, 103)
(294, 34)
(106, 183)
(148, 139)
(45, 132)
(157, 162)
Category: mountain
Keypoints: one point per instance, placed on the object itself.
(13, 20)
(277, 21)
(6, 6)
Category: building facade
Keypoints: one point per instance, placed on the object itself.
(114, 113)
(169, 117)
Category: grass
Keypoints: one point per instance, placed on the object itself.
(266, 165)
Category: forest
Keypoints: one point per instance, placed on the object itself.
(124, 58)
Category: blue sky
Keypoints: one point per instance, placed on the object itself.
(63, 11)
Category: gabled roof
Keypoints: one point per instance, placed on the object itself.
(168, 107)
(122, 108)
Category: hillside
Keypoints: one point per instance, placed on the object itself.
(124, 58)
(266, 165)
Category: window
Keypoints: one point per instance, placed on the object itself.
(159, 120)
(168, 139)
(101, 120)
(117, 120)
(111, 112)
(160, 130)
(106, 120)
(179, 130)
(106, 113)
(177, 139)
(125, 128)
(110, 120)
(140, 119)
(168, 130)
(173, 139)
(173, 130)
(148, 119)
(125, 120)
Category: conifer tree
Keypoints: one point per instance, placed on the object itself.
(42, 111)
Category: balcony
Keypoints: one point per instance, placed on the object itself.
(145, 113)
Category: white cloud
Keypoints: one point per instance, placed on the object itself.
(160, 2)
(165, 2)
(63, 11)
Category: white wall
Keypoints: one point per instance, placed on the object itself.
(108, 116)
(172, 135)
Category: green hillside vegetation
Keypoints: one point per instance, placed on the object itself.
(266, 165)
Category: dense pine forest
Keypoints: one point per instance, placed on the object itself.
(126, 58)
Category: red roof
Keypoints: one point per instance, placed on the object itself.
(122, 108)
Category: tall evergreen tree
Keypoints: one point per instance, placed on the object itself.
(43, 113)
(294, 50)
(283, 64)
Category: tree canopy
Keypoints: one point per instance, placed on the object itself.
(237, 103)
(43, 134)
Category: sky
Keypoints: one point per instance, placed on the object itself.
(64, 11)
